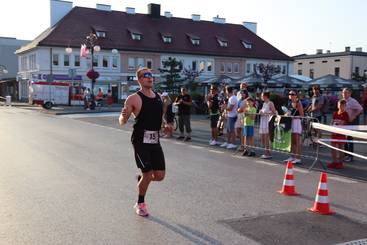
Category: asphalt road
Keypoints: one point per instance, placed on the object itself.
(70, 180)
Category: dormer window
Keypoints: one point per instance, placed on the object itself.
(247, 44)
(166, 37)
(101, 34)
(195, 40)
(135, 35)
(222, 42)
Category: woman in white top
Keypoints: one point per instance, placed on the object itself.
(266, 112)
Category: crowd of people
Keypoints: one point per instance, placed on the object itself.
(91, 100)
(235, 113)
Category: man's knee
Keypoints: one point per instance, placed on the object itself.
(159, 176)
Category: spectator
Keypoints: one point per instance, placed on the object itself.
(354, 109)
(243, 89)
(87, 98)
(184, 103)
(168, 115)
(340, 117)
(99, 96)
(214, 111)
(266, 111)
(248, 127)
(231, 118)
(239, 122)
(109, 98)
(295, 110)
(317, 102)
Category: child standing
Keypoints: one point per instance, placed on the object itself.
(248, 127)
(340, 117)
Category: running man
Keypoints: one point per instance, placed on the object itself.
(147, 108)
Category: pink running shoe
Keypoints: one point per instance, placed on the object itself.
(141, 209)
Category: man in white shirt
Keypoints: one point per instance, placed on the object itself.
(231, 110)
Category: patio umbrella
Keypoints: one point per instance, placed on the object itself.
(330, 81)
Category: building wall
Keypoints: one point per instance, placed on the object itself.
(361, 63)
(226, 66)
(326, 65)
(7, 57)
(286, 67)
(139, 59)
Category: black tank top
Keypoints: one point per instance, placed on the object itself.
(149, 118)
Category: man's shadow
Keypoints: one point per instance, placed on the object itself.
(190, 234)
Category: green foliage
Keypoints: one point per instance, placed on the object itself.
(171, 72)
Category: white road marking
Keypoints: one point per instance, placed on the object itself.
(344, 180)
(178, 143)
(87, 115)
(196, 147)
(266, 163)
(300, 170)
(220, 152)
(237, 156)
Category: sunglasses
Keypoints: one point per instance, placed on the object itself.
(147, 75)
(291, 94)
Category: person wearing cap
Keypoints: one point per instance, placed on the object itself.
(147, 108)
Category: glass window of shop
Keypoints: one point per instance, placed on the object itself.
(95, 60)
(209, 66)
(105, 61)
(66, 60)
(140, 62)
(131, 63)
(114, 62)
(76, 60)
(55, 59)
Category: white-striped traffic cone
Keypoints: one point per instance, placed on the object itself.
(289, 188)
(321, 204)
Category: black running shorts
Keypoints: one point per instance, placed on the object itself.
(214, 120)
(149, 157)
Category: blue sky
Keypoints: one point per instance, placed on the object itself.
(292, 26)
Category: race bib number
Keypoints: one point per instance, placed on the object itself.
(150, 137)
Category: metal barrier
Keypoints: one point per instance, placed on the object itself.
(309, 135)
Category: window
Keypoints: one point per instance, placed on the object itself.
(209, 66)
(76, 60)
(131, 63)
(312, 62)
(222, 67)
(105, 61)
(247, 45)
(193, 67)
(311, 73)
(23, 63)
(356, 70)
(101, 34)
(195, 41)
(284, 69)
(300, 63)
(140, 62)
(55, 59)
(223, 43)
(167, 39)
(236, 68)
(324, 61)
(248, 68)
(32, 62)
(202, 66)
(299, 72)
(66, 60)
(114, 62)
(337, 60)
(229, 67)
(95, 60)
(136, 36)
(337, 71)
(149, 63)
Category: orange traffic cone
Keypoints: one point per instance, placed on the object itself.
(289, 188)
(321, 204)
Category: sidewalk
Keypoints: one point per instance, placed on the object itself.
(64, 109)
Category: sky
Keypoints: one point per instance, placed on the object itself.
(292, 26)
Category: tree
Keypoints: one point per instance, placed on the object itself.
(190, 76)
(357, 77)
(171, 72)
(267, 71)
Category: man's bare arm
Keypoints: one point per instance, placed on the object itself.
(127, 110)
